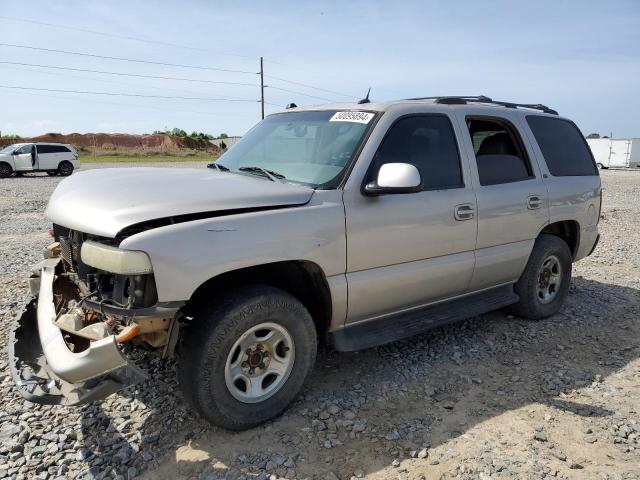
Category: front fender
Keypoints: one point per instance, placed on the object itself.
(185, 255)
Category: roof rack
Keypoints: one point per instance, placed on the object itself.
(463, 100)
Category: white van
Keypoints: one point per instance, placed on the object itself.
(53, 158)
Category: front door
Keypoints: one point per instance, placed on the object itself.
(24, 157)
(512, 199)
(406, 250)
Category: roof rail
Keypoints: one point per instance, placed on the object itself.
(463, 100)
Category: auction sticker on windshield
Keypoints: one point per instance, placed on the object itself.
(357, 117)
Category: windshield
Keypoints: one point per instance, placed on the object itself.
(8, 149)
(312, 148)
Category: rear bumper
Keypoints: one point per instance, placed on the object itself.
(46, 371)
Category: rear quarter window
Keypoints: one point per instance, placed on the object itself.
(563, 147)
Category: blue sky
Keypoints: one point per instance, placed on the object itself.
(581, 58)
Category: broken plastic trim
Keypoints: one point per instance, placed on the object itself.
(46, 371)
(35, 383)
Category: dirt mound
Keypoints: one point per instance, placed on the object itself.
(127, 144)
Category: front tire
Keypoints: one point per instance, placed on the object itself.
(545, 281)
(246, 357)
(5, 170)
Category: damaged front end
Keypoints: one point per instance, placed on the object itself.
(72, 341)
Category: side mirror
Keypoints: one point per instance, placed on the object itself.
(395, 178)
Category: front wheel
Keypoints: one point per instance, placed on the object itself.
(5, 170)
(545, 281)
(244, 359)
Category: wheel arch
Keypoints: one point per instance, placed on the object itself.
(303, 279)
(4, 162)
(567, 230)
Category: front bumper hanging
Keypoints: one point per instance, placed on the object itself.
(46, 371)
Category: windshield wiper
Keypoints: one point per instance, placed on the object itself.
(220, 168)
(270, 174)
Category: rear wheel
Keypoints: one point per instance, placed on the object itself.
(65, 169)
(5, 170)
(545, 282)
(600, 166)
(246, 358)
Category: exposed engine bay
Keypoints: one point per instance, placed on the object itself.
(72, 342)
(92, 304)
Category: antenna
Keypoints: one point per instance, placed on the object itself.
(365, 99)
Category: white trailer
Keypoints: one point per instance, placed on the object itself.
(616, 153)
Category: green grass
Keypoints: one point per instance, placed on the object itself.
(146, 159)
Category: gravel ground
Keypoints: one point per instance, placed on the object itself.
(491, 397)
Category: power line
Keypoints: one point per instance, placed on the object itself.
(115, 82)
(294, 92)
(274, 104)
(124, 37)
(303, 69)
(309, 86)
(171, 65)
(130, 94)
(82, 77)
(123, 74)
(86, 100)
(165, 43)
(122, 59)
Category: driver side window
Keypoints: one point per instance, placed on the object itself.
(427, 142)
(23, 149)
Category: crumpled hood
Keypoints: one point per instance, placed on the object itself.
(103, 202)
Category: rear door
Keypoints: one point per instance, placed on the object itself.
(620, 153)
(46, 157)
(405, 250)
(512, 197)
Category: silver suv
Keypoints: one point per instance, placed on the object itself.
(355, 224)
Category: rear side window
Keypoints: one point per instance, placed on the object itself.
(500, 154)
(563, 147)
(427, 142)
(52, 149)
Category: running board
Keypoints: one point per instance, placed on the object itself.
(390, 328)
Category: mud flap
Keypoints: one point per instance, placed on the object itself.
(37, 384)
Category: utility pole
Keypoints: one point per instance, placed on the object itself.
(262, 87)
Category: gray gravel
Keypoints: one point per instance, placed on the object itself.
(491, 397)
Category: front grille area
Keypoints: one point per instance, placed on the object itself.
(66, 249)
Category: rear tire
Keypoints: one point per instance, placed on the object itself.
(225, 356)
(600, 166)
(5, 170)
(65, 169)
(545, 281)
